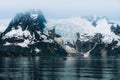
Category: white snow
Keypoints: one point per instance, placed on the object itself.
(7, 44)
(38, 32)
(26, 33)
(86, 54)
(68, 28)
(103, 27)
(34, 16)
(37, 50)
(17, 33)
(24, 44)
(44, 37)
(48, 41)
(118, 44)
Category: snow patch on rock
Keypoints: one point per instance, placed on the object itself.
(17, 33)
(37, 50)
(34, 16)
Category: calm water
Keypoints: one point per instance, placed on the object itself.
(52, 68)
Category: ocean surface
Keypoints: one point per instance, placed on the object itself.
(53, 68)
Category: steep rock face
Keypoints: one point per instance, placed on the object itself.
(115, 29)
(32, 22)
(26, 28)
(25, 36)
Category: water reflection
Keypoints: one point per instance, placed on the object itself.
(52, 68)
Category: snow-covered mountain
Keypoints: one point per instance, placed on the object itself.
(30, 34)
(88, 30)
(25, 36)
(68, 28)
(25, 26)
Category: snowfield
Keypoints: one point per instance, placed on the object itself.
(68, 28)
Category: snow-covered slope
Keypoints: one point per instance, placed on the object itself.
(27, 27)
(25, 36)
(68, 28)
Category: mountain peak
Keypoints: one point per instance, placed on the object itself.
(95, 18)
(31, 20)
(22, 23)
(68, 28)
(24, 27)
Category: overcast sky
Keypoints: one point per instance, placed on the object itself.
(62, 8)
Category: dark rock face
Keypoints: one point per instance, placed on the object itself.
(97, 47)
(28, 27)
(108, 50)
(116, 29)
(31, 21)
(49, 49)
(94, 23)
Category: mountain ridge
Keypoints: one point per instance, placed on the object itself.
(32, 34)
(24, 36)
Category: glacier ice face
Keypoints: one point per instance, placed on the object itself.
(68, 28)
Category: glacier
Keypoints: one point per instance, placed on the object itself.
(68, 28)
